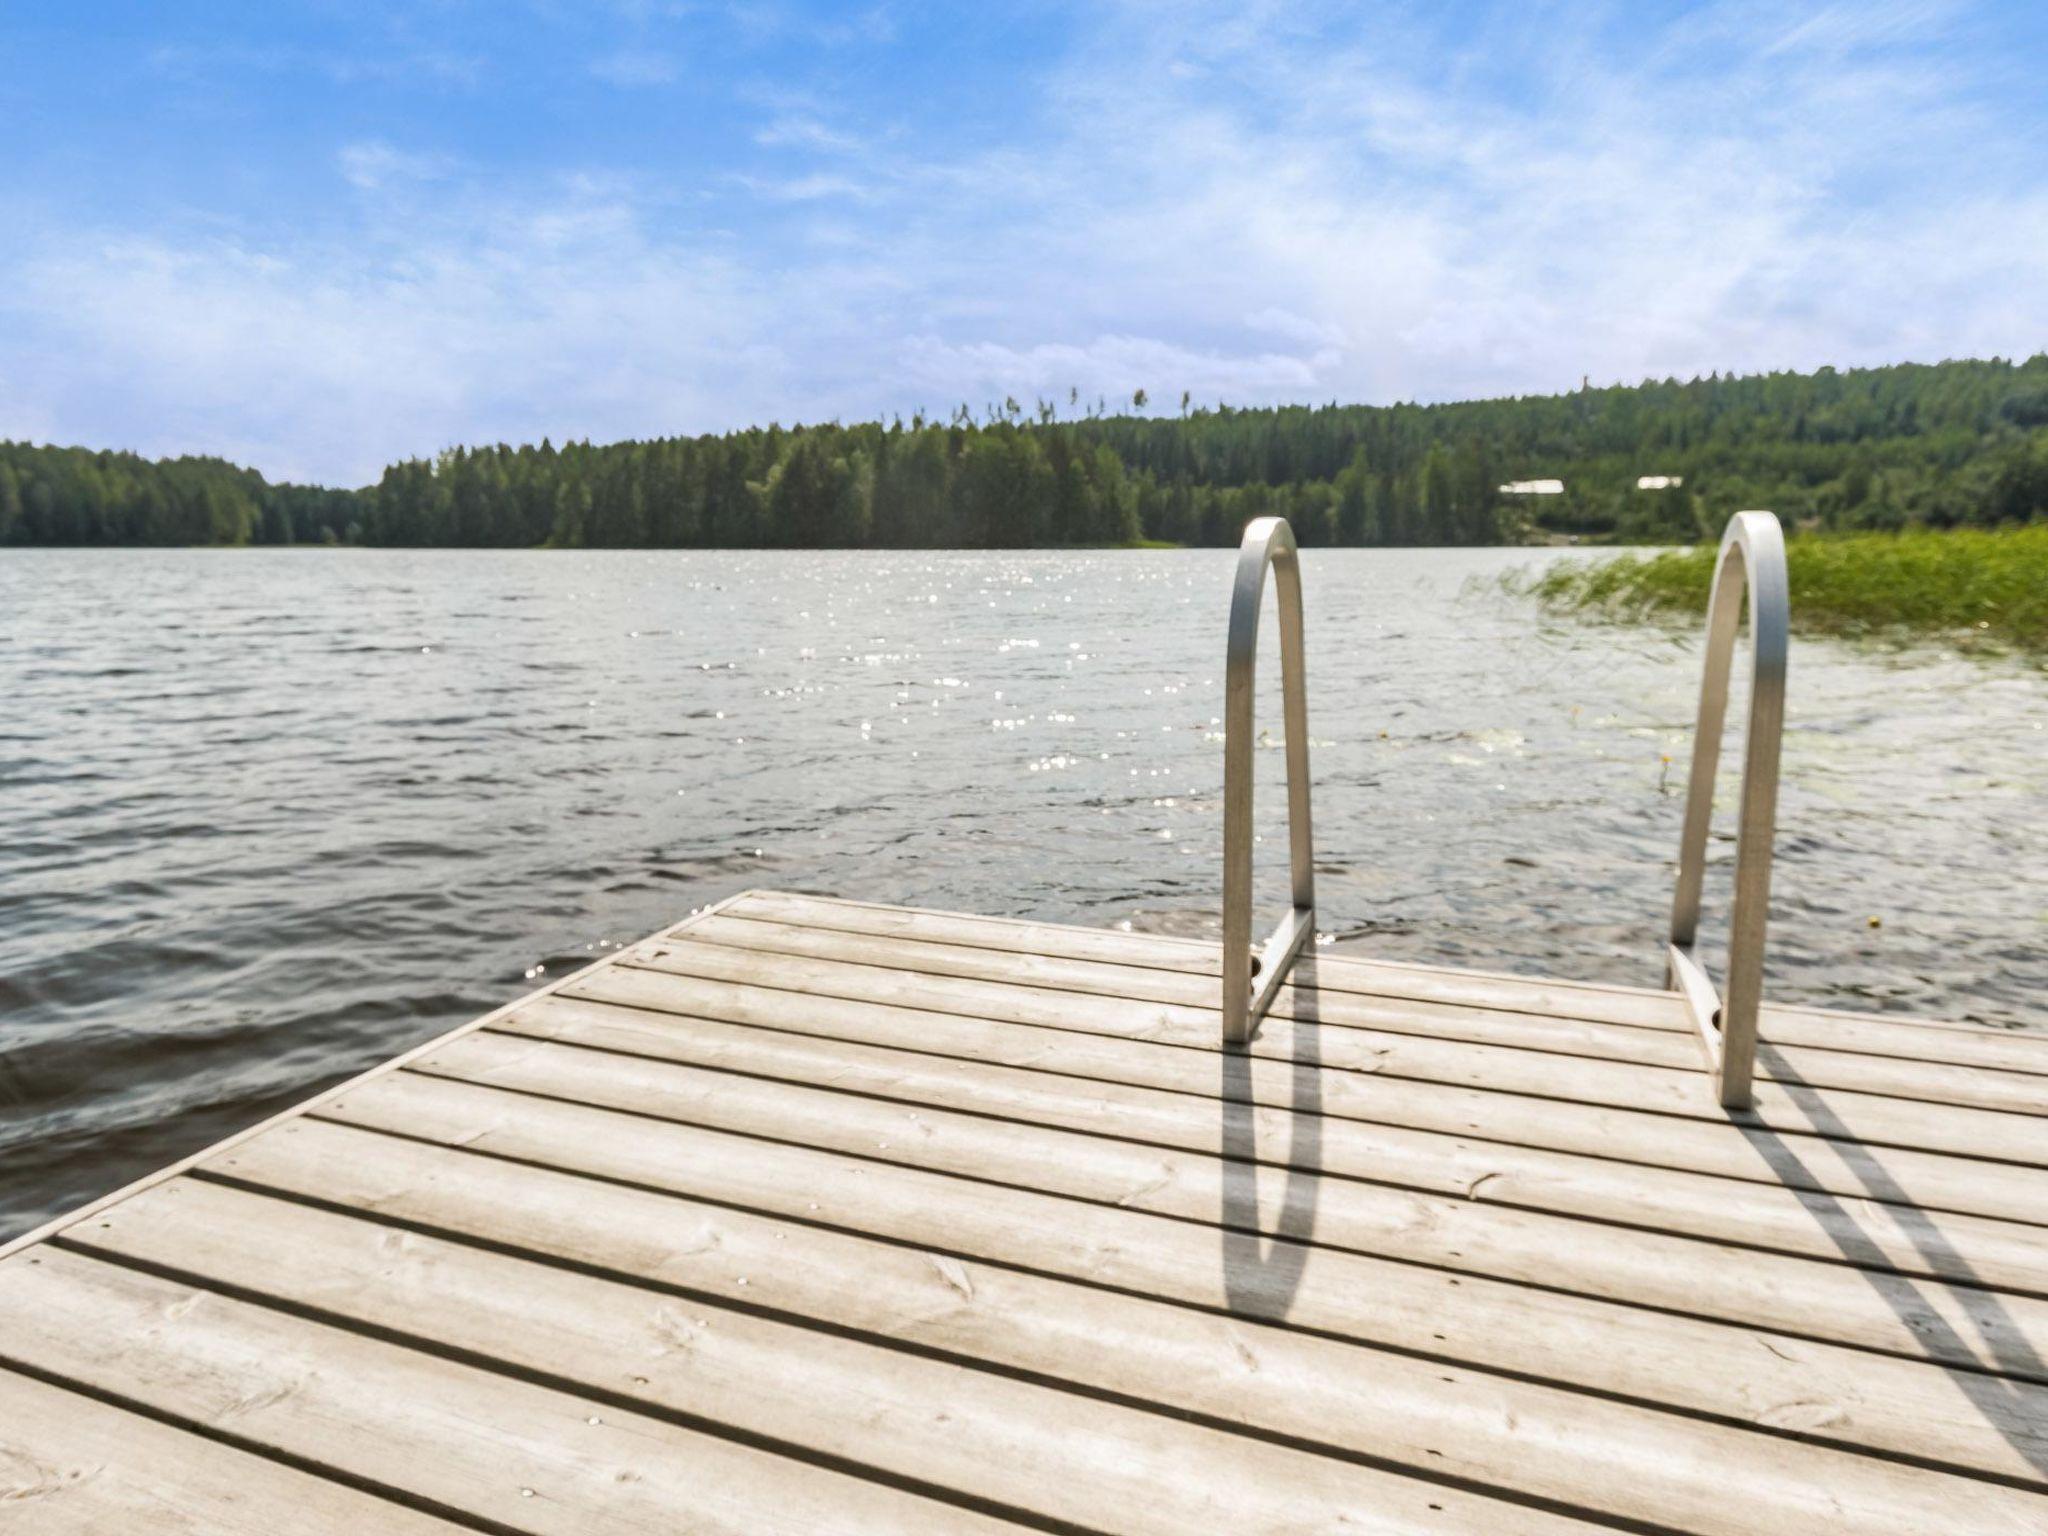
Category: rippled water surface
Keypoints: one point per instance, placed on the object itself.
(268, 817)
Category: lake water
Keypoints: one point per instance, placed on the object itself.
(268, 817)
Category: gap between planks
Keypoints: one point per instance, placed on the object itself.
(1550, 995)
(1984, 1134)
(948, 1155)
(1612, 1133)
(1303, 1001)
(1868, 1424)
(1436, 1168)
(1031, 1443)
(1544, 1335)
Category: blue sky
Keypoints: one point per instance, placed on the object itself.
(315, 237)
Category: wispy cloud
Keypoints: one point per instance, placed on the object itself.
(807, 133)
(1253, 203)
(809, 188)
(373, 165)
(1842, 30)
(496, 320)
(1111, 366)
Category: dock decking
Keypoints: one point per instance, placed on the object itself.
(819, 1216)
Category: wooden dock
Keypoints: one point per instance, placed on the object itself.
(819, 1216)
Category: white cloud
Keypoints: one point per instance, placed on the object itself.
(1361, 212)
(1558, 214)
(1839, 30)
(505, 323)
(374, 165)
(1110, 366)
(809, 188)
(1297, 328)
(807, 133)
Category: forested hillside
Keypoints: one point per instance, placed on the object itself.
(1938, 445)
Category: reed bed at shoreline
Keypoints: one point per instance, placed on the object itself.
(1984, 587)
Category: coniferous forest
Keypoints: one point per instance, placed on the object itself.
(1957, 443)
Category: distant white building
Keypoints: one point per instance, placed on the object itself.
(1533, 488)
(1659, 482)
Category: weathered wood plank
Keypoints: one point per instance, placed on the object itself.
(73, 1466)
(1103, 1243)
(1865, 1232)
(530, 1458)
(1304, 999)
(1779, 1107)
(1622, 1264)
(1183, 1333)
(989, 1438)
(1879, 1034)
(1931, 1180)
(977, 1210)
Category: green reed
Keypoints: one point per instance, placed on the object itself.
(1983, 586)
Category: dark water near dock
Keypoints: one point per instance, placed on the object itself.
(268, 817)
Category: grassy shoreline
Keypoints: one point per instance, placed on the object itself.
(1986, 587)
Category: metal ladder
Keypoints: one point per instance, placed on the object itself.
(1268, 541)
(1751, 562)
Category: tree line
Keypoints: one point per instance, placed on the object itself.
(1927, 445)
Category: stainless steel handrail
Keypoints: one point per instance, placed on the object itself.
(1268, 541)
(1752, 559)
